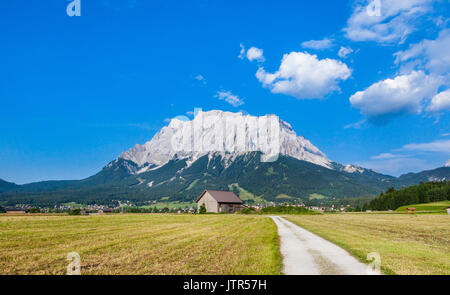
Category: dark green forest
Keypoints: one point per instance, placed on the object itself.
(422, 193)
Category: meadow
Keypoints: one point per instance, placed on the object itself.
(140, 244)
(407, 244)
(213, 243)
(433, 207)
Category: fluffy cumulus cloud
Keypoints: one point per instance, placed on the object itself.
(303, 75)
(318, 44)
(432, 55)
(385, 21)
(440, 102)
(253, 53)
(403, 94)
(447, 164)
(229, 97)
(344, 51)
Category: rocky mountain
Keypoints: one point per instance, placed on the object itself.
(230, 134)
(435, 175)
(260, 158)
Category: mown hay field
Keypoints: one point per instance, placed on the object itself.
(140, 244)
(438, 207)
(407, 244)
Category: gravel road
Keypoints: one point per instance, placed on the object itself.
(305, 253)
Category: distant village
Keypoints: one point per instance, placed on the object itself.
(127, 206)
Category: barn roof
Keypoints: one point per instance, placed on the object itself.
(222, 196)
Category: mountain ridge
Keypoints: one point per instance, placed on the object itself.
(176, 181)
(5, 185)
(239, 157)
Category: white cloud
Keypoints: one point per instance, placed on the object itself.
(242, 51)
(440, 102)
(385, 21)
(383, 156)
(396, 165)
(344, 51)
(253, 53)
(403, 94)
(318, 44)
(406, 158)
(229, 97)
(447, 164)
(303, 75)
(356, 125)
(199, 78)
(433, 55)
(441, 146)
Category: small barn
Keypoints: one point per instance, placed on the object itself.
(219, 201)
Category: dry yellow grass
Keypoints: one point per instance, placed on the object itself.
(407, 244)
(140, 244)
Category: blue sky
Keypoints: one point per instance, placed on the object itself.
(366, 86)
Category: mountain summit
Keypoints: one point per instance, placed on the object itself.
(226, 133)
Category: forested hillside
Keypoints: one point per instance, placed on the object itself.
(422, 193)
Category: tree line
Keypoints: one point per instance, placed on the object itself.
(422, 193)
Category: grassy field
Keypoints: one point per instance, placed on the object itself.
(170, 205)
(427, 207)
(140, 244)
(246, 195)
(407, 244)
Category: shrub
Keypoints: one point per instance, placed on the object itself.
(202, 209)
(248, 210)
(286, 210)
(75, 212)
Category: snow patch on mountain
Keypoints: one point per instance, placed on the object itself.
(353, 168)
(436, 179)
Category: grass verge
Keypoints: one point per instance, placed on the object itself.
(407, 244)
